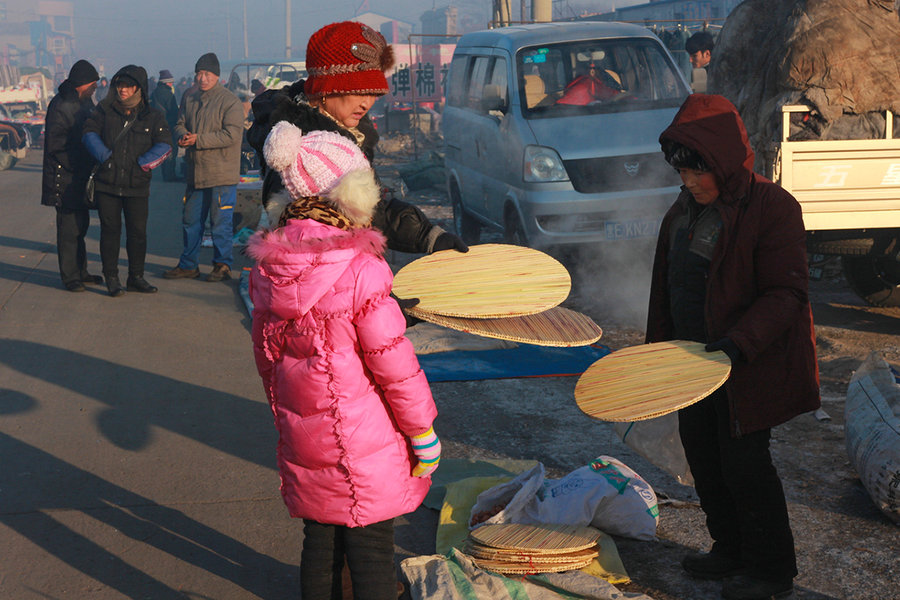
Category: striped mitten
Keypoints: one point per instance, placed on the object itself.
(427, 448)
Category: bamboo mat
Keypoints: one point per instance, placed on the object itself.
(555, 326)
(650, 380)
(546, 538)
(513, 548)
(505, 554)
(488, 281)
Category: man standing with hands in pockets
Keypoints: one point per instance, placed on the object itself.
(210, 126)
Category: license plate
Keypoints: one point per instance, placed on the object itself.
(627, 230)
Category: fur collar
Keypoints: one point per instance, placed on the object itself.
(310, 237)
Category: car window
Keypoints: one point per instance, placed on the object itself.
(596, 76)
(456, 81)
(477, 80)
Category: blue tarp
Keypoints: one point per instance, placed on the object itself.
(526, 360)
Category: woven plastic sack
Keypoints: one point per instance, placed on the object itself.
(872, 432)
(605, 494)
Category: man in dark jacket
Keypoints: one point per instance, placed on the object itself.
(730, 272)
(66, 170)
(163, 98)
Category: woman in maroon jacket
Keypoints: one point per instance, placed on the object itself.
(730, 271)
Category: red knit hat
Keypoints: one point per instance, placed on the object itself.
(347, 58)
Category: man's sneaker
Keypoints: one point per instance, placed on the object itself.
(220, 272)
(711, 565)
(179, 273)
(744, 587)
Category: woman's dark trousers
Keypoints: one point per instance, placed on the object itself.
(136, 210)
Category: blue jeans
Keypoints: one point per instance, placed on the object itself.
(218, 203)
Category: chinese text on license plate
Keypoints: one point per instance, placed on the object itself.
(626, 230)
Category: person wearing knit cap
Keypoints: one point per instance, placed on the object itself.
(354, 411)
(163, 98)
(210, 128)
(128, 138)
(66, 169)
(347, 62)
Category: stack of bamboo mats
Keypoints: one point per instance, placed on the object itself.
(498, 291)
(516, 549)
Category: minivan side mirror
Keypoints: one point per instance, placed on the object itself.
(492, 99)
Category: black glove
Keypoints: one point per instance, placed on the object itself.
(727, 346)
(405, 303)
(449, 241)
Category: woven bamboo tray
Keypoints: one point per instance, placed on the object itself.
(476, 550)
(505, 568)
(555, 326)
(536, 539)
(488, 281)
(651, 380)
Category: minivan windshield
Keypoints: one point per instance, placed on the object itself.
(597, 76)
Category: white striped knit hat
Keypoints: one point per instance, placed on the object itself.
(316, 164)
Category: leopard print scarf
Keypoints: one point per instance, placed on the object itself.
(313, 207)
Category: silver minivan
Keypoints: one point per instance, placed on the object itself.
(551, 133)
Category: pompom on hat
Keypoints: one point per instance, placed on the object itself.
(323, 164)
(347, 58)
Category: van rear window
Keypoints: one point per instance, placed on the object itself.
(597, 76)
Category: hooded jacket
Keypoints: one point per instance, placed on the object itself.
(341, 378)
(125, 166)
(757, 286)
(66, 164)
(405, 226)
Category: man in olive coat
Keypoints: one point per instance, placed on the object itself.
(210, 128)
(67, 167)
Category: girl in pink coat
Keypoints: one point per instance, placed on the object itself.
(352, 407)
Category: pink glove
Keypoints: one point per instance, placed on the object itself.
(427, 448)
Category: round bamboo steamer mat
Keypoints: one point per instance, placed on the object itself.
(488, 281)
(546, 538)
(650, 380)
(555, 326)
(509, 555)
(505, 568)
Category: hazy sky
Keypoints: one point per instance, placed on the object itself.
(172, 34)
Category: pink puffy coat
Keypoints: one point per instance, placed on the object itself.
(342, 380)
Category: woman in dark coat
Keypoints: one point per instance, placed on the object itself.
(346, 62)
(123, 179)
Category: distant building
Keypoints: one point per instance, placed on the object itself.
(395, 32)
(671, 11)
(38, 33)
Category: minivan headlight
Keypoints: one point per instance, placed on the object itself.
(543, 164)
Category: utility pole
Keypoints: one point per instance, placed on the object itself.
(228, 28)
(246, 52)
(287, 28)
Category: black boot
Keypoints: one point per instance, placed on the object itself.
(114, 286)
(139, 284)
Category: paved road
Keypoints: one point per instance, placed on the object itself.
(136, 446)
